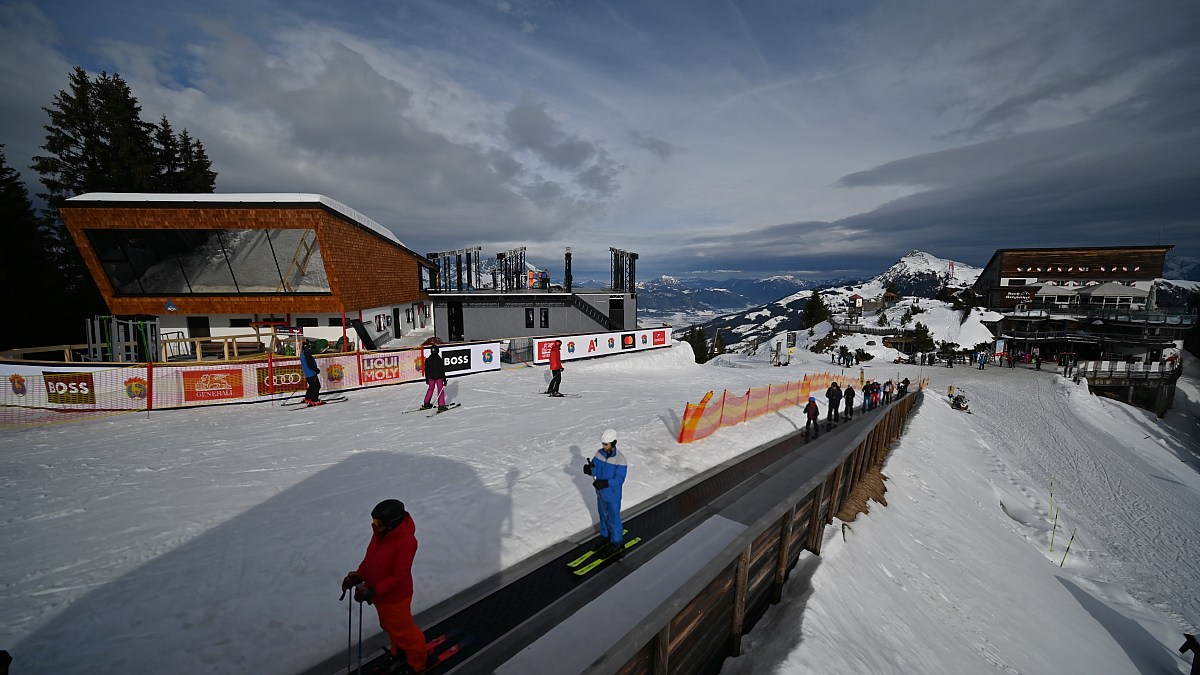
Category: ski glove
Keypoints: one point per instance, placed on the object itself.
(600, 483)
(351, 581)
(587, 468)
(364, 593)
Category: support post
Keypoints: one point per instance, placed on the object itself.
(739, 600)
(662, 650)
(785, 543)
(815, 524)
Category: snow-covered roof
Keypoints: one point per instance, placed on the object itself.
(242, 197)
(1057, 290)
(1111, 289)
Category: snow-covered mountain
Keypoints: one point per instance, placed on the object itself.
(676, 294)
(1181, 267)
(918, 274)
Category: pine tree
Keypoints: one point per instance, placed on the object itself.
(922, 340)
(195, 169)
(815, 311)
(96, 141)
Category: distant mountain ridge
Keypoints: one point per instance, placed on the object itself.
(918, 274)
(675, 294)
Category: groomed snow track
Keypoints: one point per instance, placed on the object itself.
(502, 615)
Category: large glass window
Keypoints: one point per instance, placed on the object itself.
(224, 262)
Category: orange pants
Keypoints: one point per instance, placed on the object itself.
(395, 618)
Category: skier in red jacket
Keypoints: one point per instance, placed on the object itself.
(813, 414)
(384, 579)
(555, 367)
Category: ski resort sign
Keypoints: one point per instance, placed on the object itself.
(602, 344)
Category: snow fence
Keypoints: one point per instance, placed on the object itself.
(703, 419)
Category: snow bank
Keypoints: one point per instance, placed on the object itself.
(679, 356)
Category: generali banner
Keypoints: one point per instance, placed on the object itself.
(602, 344)
(212, 385)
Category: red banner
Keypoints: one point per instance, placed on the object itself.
(212, 385)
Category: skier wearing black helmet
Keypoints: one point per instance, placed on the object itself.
(384, 579)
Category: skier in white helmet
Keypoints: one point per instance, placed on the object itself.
(607, 469)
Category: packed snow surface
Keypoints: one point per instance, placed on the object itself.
(213, 540)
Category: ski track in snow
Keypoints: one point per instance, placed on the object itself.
(213, 540)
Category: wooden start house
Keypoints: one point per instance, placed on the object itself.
(208, 265)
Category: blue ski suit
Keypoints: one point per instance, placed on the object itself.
(610, 468)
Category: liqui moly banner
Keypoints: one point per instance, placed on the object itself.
(602, 344)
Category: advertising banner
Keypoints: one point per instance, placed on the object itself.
(212, 385)
(395, 367)
(602, 344)
(467, 359)
(284, 379)
(69, 388)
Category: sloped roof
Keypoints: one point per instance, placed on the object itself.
(242, 198)
(1057, 290)
(1111, 289)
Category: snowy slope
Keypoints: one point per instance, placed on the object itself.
(213, 540)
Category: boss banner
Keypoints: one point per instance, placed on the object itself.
(467, 359)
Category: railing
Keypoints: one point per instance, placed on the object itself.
(594, 314)
(67, 352)
(1166, 316)
(195, 349)
(758, 539)
(1095, 370)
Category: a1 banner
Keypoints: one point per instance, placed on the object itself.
(602, 344)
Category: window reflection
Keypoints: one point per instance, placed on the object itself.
(226, 262)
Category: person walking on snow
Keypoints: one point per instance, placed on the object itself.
(556, 367)
(834, 395)
(384, 579)
(888, 390)
(435, 378)
(308, 365)
(848, 396)
(982, 359)
(813, 413)
(607, 469)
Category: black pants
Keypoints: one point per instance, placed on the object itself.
(832, 415)
(314, 388)
(555, 381)
(849, 408)
(815, 424)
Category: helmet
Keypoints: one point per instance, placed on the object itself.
(388, 511)
(812, 399)
(433, 349)
(609, 436)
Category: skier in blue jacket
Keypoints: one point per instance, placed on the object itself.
(607, 468)
(309, 366)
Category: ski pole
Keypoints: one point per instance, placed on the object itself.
(359, 637)
(349, 632)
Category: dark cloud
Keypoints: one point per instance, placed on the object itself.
(529, 127)
(656, 146)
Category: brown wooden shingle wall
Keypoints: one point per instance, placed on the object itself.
(364, 270)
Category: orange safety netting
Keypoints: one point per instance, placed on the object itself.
(704, 418)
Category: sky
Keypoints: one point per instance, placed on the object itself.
(715, 139)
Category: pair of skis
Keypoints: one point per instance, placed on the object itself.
(439, 649)
(432, 410)
(592, 559)
(301, 403)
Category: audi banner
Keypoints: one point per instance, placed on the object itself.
(283, 379)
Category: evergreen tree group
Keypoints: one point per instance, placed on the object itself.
(96, 141)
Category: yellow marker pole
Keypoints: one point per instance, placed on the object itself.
(1064, 559)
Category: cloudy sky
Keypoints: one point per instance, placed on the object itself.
(717, 139)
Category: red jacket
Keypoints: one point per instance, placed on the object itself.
(555, 358)
(387, 567)
(812, 411)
